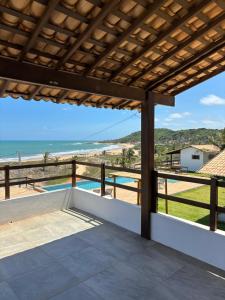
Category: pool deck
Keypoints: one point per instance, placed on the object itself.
(72, 255)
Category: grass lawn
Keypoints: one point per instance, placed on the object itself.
(192, 213)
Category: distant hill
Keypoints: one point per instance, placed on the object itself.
(165, 136)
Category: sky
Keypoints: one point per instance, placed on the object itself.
(202, 106)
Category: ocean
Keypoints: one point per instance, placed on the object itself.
(28, 150)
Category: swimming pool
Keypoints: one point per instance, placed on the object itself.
(86, 184)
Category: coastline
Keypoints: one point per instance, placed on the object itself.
(111, 149)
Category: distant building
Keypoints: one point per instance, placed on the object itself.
(193, 157)
(216, 166)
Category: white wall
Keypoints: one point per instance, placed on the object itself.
(190, 238)
(24, 207)
(187, 161)
(116, 211)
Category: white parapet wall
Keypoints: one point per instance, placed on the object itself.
(24, 207)
(190, 238)
(115, 211)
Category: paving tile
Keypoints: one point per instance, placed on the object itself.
(120, 248)
(154, 265)
(94, 235)
(202, 284)
(6, 293)
(42, 283)
(111, 262)
(79, 292)
(39, 234)
(12, 240)
(122, 282)
(88, 262)
(64, 246)
(23, 262)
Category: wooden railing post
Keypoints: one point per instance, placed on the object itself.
(213, 203)
(74, 173)
(155, 192)
(7, 181)
(102, 179)
(166, 193)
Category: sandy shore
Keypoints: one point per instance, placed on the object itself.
(86, 155)
(116, 151)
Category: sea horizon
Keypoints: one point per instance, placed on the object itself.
(12, 150)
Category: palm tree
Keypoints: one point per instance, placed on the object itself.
(57, 158)
(130, 154)
(46, 157)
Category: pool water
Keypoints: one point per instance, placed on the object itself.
(86, 184)
(171, 180)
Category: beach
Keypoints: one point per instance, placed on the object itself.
(33, 151)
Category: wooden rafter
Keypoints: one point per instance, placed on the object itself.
(139, 21)
(4, 87)
(43, 20)
(119, 104)
(87, 33)
(179, 47)
(63, 95)
(196, 82)
(35, 91)
(177, 23)
(199, 72)
(188, 63)
(84, 99)
(103, 101)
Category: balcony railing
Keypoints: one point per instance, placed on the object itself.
(213, 183)
(212, 206)
(8, 182)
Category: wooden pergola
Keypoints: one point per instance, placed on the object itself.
(119, 54)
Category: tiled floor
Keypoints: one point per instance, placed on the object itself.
(70, 255)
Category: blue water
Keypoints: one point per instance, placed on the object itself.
(87, 184)
(35, 149)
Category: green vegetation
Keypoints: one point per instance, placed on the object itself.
(164, 136)
(192, 213)
(220, 141)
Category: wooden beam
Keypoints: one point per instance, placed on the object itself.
(62, 96)
(39, 75)
(193, 60)
(35, 92)
(160, 99)
(87, 33)
(148, 199)
(121, 104)
(179, 47)
(3, 88)
(177, 23)
(136, 24)
(43, 20)
(83, 100)
(103, 101)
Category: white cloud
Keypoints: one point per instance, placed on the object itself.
(212, 100)
(176, 116)
(213, 123)
(66, 108)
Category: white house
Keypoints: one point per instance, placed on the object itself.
(194, 157)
